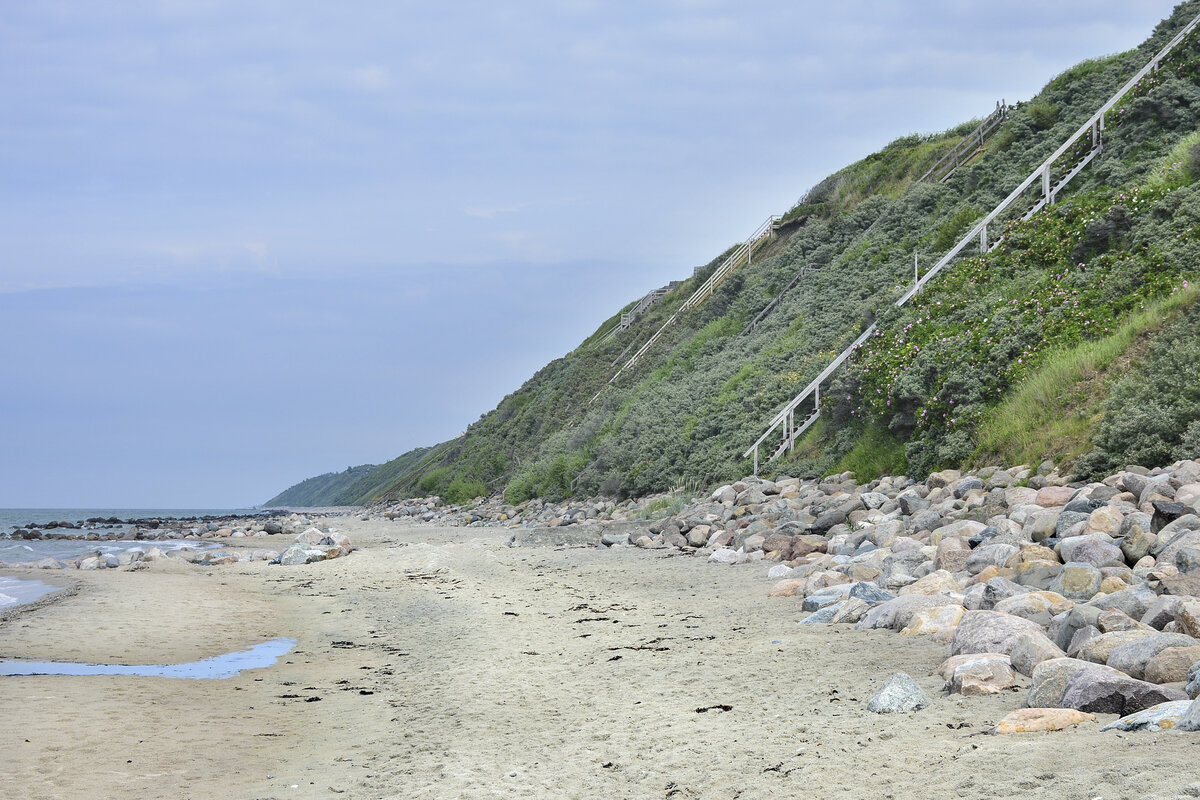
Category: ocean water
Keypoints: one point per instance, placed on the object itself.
(13, 518)
(23, 550)
(18, 591)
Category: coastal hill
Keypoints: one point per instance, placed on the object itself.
(1074, 339)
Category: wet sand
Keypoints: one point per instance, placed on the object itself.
(439, 663)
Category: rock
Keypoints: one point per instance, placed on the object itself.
(954, 662)
(939, 582)
(1132, 657)
(823, 616)
(1133, 602)
(1039, 527)
(940, 622)
(998, 589)
(871, 594)
(1098, 649)
(723, 555)
(990, 555)
(1049, 681)
(1031, 648)
(614, 539)
(1136, 537)
(952, 554)
(989, 632)
(850, 611)
(1162, 717)
(1054, 496)
(787, 588)
(827, 520)
(1104, 690)
(899, 695)
(1171, 665)
(966, 485)
(1069, 520)
(1078, 581)
(1106, 520)
(1037, 574)
(898, 612)
(1112, 620)
(1029, 720)
(1040, 607)
(1095, 549)
(983, 674)
(1162, 611)
(298, 554)
(874, 500)
(962, 529)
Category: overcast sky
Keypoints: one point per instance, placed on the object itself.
(243, 243)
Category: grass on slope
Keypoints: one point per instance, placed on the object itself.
(878, 452)
(1052, 413)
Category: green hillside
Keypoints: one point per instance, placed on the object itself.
(321, 490)
(1066, 342)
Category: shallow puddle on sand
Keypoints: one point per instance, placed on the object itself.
(226, 666)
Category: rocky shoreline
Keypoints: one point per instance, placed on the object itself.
(1086, 596)
(310, 543)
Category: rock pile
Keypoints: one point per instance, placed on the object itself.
(535, 513)
(168, 529)
(314, 545)
(1089, 590)
(311, 544)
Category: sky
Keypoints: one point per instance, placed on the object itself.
(242, 244)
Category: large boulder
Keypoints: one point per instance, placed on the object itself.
(978, 674)
(1171, 665)
(898, 612)
(1049, 681)
(940, 622)
(1162, 717)
(1030, 720)
(1078, 581)
(1132, 657)
(1104, 690)
(1030, 649)
(989, 632)
(1099, 648)
(1040, 607)
(1095, 549)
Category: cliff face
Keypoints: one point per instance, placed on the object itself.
(1010, 356)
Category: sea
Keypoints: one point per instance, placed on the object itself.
(56, 546)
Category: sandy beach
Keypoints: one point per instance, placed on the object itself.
(440, 663)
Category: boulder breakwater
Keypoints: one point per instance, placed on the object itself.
(1084, 596)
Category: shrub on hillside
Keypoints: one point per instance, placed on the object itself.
(462, 491)
(1152, 416)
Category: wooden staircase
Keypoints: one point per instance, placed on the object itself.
(1043, 176)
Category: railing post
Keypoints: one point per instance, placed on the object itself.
(983, 242)
(756, 459)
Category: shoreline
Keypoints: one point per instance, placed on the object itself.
(436, 662)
